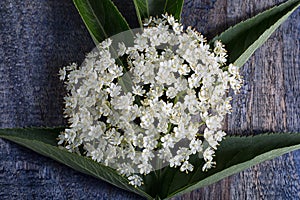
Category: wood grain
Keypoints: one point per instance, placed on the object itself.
(38, 37)
(268, 101)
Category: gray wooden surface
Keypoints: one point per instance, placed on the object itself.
(38, 37)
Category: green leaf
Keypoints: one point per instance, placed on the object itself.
(233, 155)
(174, 7)
(147, 8)
(101, 18)
(43, 141)
(244, 38)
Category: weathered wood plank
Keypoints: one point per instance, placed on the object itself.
(38, 37)
(269, 100)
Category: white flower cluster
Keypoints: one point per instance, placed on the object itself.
(170, 106)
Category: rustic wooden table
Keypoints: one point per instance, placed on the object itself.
(38, 37)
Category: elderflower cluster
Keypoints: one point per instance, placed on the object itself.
(164, 105)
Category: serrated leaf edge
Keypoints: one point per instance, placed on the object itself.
(273, 27)
(15, 139)
(231, 170)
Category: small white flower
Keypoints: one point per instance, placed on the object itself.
(97, 154)
(196, 146)
(165, 154)
(135, 180)
(208, 154)
(62, 73)
(145, 168)
(125, 169)
(138, 140)
(234, 70)
(149, 142)
(167, 141)
(114, 90)
(106, 43)
(122, 49)
(97, 131)
(214, 122)
(175, 161)
(122, 102)
(176, 86)
(147, 21)
(171, 92)
(138, 90)
(219, 135)
(186, 166)
(209, 164)
(184, 153)
(147, 120)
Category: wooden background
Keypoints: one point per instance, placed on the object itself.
(38, 37)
